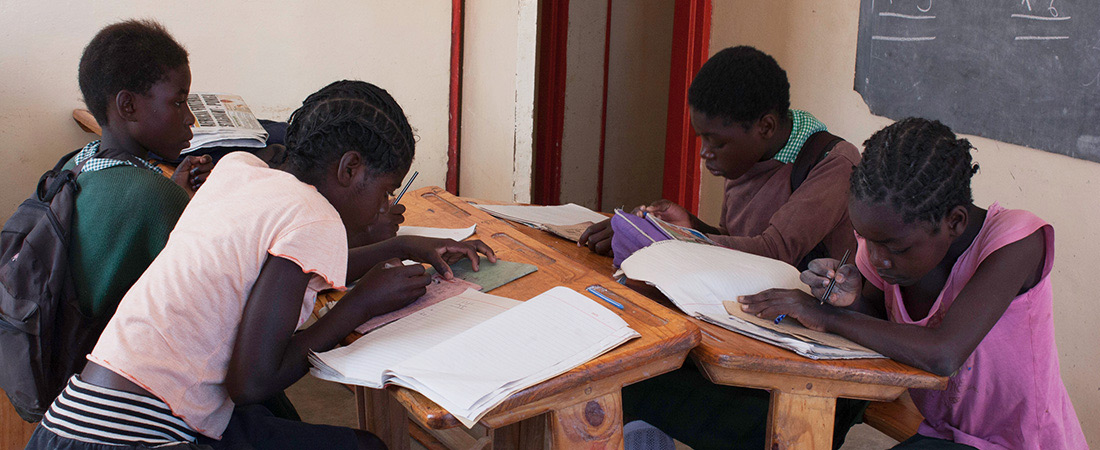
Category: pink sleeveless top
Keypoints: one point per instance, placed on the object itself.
(1009, 392)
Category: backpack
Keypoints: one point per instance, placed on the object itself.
(44, 337)
(632, 233)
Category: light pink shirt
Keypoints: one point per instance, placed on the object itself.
(1009, 392)
(174, 330)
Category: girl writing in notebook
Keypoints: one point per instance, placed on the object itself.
(944, 285)
(209, 329)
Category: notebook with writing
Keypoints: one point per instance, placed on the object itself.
(705, 280)
(464, 353)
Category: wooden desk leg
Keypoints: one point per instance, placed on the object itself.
(528, 434)
(592, 424)
(380, 414)
(797, 421)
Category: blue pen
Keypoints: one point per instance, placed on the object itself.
(832, 282)
(592, 290)
(415, 173)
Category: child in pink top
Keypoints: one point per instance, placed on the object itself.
(952, 289)
(208, 331)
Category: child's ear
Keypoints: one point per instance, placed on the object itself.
(956, 220)
(351, 163)
(124, 104)
(767, 126)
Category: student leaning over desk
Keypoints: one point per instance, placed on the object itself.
(256, 244)
(740, 107)
(948, 287)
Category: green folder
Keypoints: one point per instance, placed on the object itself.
(490, 275)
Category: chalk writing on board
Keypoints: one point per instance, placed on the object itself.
(1023, 71)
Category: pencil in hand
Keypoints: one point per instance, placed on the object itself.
(832, 283)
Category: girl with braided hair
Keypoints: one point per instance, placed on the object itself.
(948, 287)
(209, 330)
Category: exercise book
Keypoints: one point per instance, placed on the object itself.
(568, 221)
(705, 280)
(466, 353)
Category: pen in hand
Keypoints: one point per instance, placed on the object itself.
(407, 184)
(832, 283)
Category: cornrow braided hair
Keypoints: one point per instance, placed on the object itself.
(918, 166)
(344, 116)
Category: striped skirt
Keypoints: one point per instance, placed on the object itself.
(98, 415)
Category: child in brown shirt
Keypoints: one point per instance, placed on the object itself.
(740, 107)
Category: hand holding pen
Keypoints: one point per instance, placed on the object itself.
(832, 279)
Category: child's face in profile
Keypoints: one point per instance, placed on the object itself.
(902, 253)
(728, 150)
(372, 197)
(163, 124)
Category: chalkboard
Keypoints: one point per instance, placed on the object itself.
(1020, 71)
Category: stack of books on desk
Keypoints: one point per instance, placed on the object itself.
(471, 352)
(705, 280)
(223, 120)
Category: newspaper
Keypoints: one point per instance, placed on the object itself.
(223, 120)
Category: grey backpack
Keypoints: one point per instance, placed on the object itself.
(43, 335)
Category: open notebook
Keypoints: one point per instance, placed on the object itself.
(465, 353)
(698, 278)
(568, 221)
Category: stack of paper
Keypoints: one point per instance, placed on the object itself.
(223, 120)
(471, 352)
(698, 278)
(568, 221)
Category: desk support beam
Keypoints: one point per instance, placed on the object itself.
(382, 415)
(797, 421)
(592, 424)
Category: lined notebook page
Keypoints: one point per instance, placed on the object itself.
(568, 214)
(363, 361)
(539, 339)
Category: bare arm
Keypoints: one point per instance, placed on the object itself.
(940, 350)
(268, 356)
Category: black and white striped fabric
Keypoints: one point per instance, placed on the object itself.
(98, 415)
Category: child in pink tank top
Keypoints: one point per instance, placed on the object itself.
(950, 288)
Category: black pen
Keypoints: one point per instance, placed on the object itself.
(832, 282)
(409, 183)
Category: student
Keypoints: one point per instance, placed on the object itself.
(211, 324)
(740, 107)
(950, 288)
(134, 78)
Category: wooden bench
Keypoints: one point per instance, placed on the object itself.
(898, 419)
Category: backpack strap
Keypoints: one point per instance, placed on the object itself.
(817, 146)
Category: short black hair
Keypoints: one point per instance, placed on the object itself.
(918, 167)
(132, 55)
(740, 84)
(345, 116)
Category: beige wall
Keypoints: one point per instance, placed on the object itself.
(272, 56)
(498, 99)
(580, 141)
(816, 42)
(637, 102)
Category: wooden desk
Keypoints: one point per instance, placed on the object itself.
(581, 408)
(804, 391)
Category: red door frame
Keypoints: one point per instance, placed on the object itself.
(454, 107)
(690, 44)
(550, 118)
